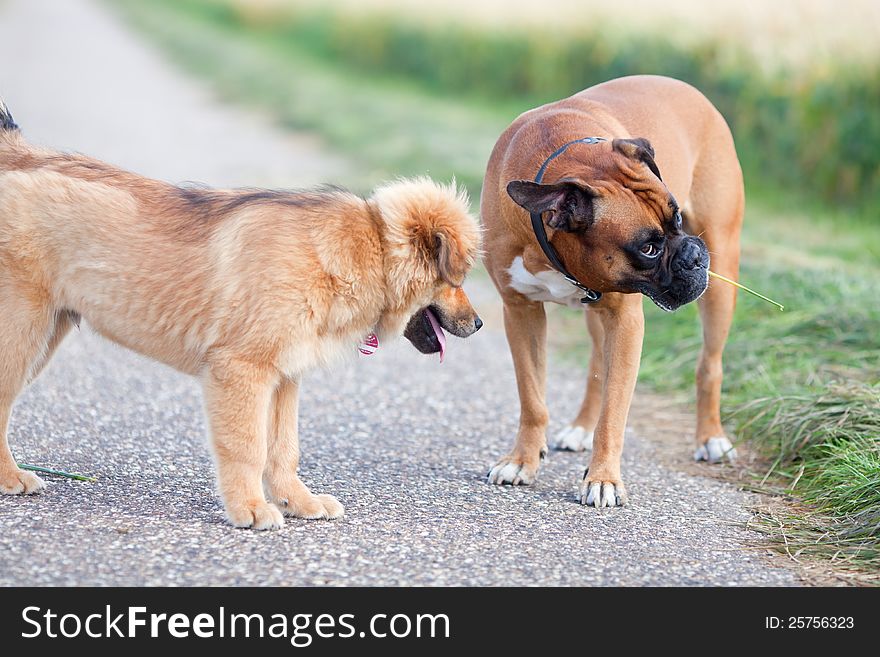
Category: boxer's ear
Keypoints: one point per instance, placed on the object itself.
(568, 203)
(638, 149)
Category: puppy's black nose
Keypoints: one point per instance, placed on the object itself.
(478, 323)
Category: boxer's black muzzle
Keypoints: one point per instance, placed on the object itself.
(681, 276)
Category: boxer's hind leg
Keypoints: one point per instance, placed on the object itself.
(578, 435)
(716, 313)
(25, 332)
(718, 212)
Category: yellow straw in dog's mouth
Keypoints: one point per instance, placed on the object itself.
(743, 287)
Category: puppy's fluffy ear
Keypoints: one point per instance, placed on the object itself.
(638, 149)
(430, 222)
(569, 203)
(452, 261)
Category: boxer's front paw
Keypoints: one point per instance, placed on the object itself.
(715, 450)
(516, 469)
(573, 439)
(20, 482)
(596, 492)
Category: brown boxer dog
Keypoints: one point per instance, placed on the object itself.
(613, 227)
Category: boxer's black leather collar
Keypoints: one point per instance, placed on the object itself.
(590, 296)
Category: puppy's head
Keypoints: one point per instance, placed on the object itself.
(431, 241)
(617, 227)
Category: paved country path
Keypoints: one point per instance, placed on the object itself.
(401, 440)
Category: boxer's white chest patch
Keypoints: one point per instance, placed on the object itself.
(548, 285)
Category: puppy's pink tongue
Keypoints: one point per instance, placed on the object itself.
(438, 331)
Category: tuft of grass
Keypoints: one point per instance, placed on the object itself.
(827, 453)
(815, 539)
(819, 430)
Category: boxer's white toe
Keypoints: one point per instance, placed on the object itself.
(602, 494)
(715, 450)
(573, 439)
(512, 471)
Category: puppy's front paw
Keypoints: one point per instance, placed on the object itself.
(573, 439)
(312, 507)
(20, 482)
(600, 494)
(255, 515)
(516, 470)
(715, 450)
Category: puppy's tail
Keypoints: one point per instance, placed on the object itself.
(7, 123)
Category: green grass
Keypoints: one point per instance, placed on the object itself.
(827, 452)
(800, 386)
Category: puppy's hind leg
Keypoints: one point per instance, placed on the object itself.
(578, 435)
(63, 322)
(281, 480)
(24, 333)
(237, 399)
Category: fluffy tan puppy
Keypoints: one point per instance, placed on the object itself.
(245, 289)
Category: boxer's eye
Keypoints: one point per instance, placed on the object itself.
(677, 221)
(650, 250)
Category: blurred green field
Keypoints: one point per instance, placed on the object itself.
(799, 81)
(801, 386)
(785, 34)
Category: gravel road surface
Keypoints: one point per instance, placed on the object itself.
(403, 441)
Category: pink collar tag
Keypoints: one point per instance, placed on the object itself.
(370, 344)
